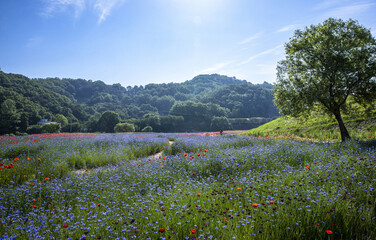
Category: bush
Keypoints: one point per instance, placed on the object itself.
(147, 129)
(124, 127)
(220, 123)
(34, 129)
(51, 127)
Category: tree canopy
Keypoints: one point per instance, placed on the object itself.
(324, 65)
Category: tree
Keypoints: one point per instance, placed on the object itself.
(51, 127)
(220, 123)
(324, 65)
(124, 127)
(60, 118)
(107, 121)
(9, 117)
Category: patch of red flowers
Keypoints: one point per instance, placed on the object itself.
(65, 226)
(328, 232)
(162, 230)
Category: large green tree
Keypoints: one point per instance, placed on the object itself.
(108, 121)
(324, 65)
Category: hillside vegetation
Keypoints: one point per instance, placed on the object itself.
(186, 106)
(360, 122)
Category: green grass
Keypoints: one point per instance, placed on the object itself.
(319, 126)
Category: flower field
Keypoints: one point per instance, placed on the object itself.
(106, 186)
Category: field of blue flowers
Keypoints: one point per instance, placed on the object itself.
(107, 186)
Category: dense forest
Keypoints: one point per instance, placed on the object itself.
(207, 102)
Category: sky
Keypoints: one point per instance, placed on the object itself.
(136, 42)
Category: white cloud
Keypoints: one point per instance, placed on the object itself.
(327, 4)
(102, 7)
(288, 28)
(350, 11)
(251, 38)
(34, 41)
(54, 6)
(215, 68)
(275, 50)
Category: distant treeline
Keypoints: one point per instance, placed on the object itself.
(199, 104)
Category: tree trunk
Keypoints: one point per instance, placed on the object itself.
(344, 133)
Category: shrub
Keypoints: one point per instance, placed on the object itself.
(34, 129)
(124, 127)
(147, 129)
(51, 127)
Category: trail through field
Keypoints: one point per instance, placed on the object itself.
(152, 157)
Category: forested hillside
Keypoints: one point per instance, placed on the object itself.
(187, 106)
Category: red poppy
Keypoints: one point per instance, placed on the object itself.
(65, 226)
(16, 159)
(239, 188)
(198, 194)
(193, 231)
(255, 205)
(185, 155)
(307, 167)
(34, 206)
(99, 204)
(200, 149)
(205, 150)
(162, 209)
(162, 230)
(328, 232)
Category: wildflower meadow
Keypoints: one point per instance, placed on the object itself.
(185, 186)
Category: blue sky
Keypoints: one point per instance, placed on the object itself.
(136, 42)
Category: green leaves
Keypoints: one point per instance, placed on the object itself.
(326, 64)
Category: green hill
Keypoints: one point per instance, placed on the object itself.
(24, 101)
(360, 122)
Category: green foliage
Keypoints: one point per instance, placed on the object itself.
(60, 118)
(107, 121)
(220, 123)
(82, 102)
(326, 64)
(51, 127)
(124, 127)
(34, 129)
(147, 129)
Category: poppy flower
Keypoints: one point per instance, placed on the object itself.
(139, 165)
(328, 232)
(255, 205)
(16, 159)
(193, 231)
(198, 194)
(34, 206)
(186, 155)
(271, 201)
(205, 150)
(161, 230)
(162, 209)
(200, 149)
(307, 167)
(239, 188)
(65, 226)
(99, 204)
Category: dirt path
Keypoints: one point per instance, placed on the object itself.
(152, 157)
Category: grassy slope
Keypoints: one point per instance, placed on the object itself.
(319, 126)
